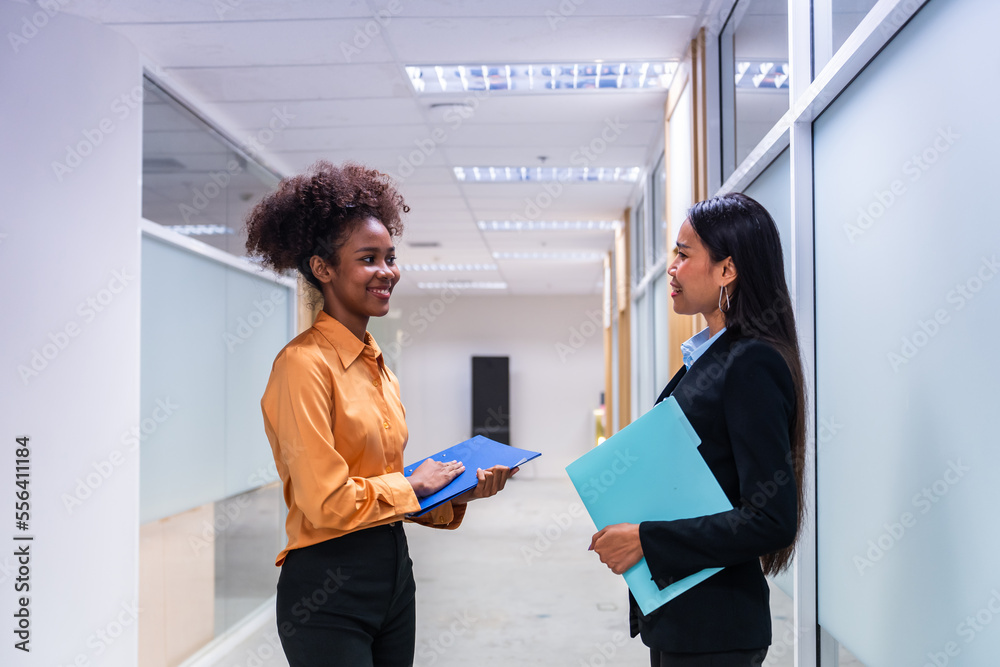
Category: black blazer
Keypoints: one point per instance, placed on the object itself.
(740, 398)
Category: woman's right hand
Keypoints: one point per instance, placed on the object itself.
(432, 476)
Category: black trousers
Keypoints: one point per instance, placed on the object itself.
(753, 658)
(349, 601)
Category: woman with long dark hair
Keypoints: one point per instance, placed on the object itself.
(741, 388)
(337, 428)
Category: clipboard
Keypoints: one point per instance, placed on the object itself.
(651, 470)
(477, 452)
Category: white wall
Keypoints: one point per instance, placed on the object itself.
(69, 270)
(555, 345)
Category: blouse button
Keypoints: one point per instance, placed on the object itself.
(375, 383)
(385, 424)
(388, 468)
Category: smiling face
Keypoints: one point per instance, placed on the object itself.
(696, 279)
(360, 285)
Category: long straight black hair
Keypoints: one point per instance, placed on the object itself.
(759, 306)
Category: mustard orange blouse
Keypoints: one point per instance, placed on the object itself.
(337, 430)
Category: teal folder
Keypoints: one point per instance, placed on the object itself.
(477, 452)
(650, 471)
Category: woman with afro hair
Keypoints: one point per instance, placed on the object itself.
(335, 422)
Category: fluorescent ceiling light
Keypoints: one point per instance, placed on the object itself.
(449, 267)
(548, 225)
(201, 230)
(463, 284)
(542, 78)
(556, 256)
(761, 75)
(544, 174)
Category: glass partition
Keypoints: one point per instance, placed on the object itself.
(194, 180)
(754, 63)
(658, 215)
(907, 305)
(773, 190)
(834, 21)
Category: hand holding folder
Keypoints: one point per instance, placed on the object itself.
(475, 453)
(651, 470)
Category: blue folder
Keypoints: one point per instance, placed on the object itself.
(650, 471)
(477, 452)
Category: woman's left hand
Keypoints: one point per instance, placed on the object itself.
(491, 481)
(618, 546)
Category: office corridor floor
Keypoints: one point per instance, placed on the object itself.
(516, 585)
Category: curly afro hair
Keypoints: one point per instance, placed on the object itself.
(314, 214)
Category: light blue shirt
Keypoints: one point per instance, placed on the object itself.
(696, 345)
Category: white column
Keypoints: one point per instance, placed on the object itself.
(69, 268)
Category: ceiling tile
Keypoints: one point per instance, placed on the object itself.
(430, 41)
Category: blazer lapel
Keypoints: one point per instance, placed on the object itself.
(673, 383)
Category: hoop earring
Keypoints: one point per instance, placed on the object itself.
(721, 290)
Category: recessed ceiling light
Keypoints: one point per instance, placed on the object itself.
(424, 244)
(449, 267)
(761, 75)
(542, 78)
(463, 284)
(548, 225)
(555, 256)
(544, 174)
(201, 230)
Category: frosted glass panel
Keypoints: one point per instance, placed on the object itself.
(644, 365)
(183, 381)
(258, 313)
(209, 335)
(908, 305)
(659, 209)
(661, 308)
(773, 190)
(681, 158)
